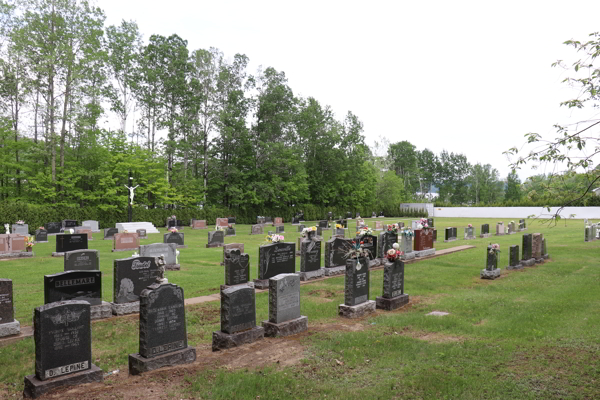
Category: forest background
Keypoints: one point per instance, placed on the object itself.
(212, 138)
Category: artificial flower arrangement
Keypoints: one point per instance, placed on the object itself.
(173, 217)
(338, 226)
(29, 243)
(305, 231)
(469, 225)
(393, 228)
(275, 238)
(20, 222)
(173, 230)
(365, 230)
(495, 249)
(41, 228)
(394, 254)
(407, 232)
(423, 224)
(357, 250)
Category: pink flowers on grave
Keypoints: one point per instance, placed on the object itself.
(494, 248)
(173, 230)
(394, 254)
(275, 238)
(469, 225)
(20, 222)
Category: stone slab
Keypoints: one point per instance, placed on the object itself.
(10, 328)
(134, 226)
(486, 274)
(392, 303)
(514, 267)
(139, 364)
(335, 271)
(319, 273)
(222, 340)
(424, 253)
(286, 328)
(173, 267)
(485, 235)
(409, 256)
(469, 237)
(125, 308)
(528, 263)
(101, 311)
(451, 240)
(22, 254)
(357, 311)
(261, 283)
(35, 388)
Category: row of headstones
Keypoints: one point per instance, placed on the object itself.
(592, 231)
(450, 233)
(534, 251)
(56, 227)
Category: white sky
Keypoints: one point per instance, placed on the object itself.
(470, 77)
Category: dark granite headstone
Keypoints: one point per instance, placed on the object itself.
(109, 233)
(63, 341)
(356, 282)
(257, 229)
(6, 301)
(53, 227)
(69, 223)
(231, 220)
(485, 229)
(73, 285)
(131, 276)
(492, 259)
(527, 246)
(447, 233)
(323, 224)
(82, 260)
(237, 267)
(310, 255)
(430, 222)
(279, 229)
(370, 244)
(284, 298)
(175, 237)
(275, 259)
(238, 309)
(215, 239)
(385, 243)
(162, 320)
(514, 255)
(41, 235)
(335, 251)
(454, 232)
(393, 279)
(66, 242)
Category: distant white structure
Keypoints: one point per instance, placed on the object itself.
(428, 196)
(597, 191)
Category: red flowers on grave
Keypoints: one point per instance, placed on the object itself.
(394, 254)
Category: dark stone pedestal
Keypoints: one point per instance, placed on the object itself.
(392, 303)
(261, 283)
(528, 263)
(356, 311)
(286, 328)
(35, 388)
(222, 340)
(208, 246)
(306, 276)
(103, 310)
(486, 274)
(173, 267)
(139, 364)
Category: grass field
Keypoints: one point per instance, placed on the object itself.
(530, 334)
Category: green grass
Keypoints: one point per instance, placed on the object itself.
(531, 334)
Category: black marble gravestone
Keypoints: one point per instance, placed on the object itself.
(237, 267)
(53, 227)
(276, 258)
(131, 276)
(109, 233)
(310, 255)
(41, 235)
(215, 239)
(238, 309)
(69, 223)
(454, 233)
(393, 279)
(6, 301)
(73, 285)
(323, 224)
(335, 252)
(514, 255)
(527, 246)
(356, 282)
(82, 260)
(385, 243)
(67, 242)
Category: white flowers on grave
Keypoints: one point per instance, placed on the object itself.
(7, 227)
(495, 248)
(20, 222)
(71, 231)
(275, 238)
(305, 231)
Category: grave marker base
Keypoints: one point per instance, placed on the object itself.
(60, 254)
(424, 253)
(451, 240)
(514, 267)
(139, 364)
(528, 263)
(261, 283)
(357, 311)
(408, 256)
(392, 303)
(485, 274)
(331, 271)
(376, 262)
(125, 308)
(485, 235)
(35, 388)
(511, 233)
(306, 276)
(100, 311)
(208, 246)
(546, 256)
(286, 328)
(130, 249)
(469, 237)
(173, 267)
(11, 328)
(16, 254)
(500, 234)
(222, 340)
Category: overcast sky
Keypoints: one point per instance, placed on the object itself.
(470, 77)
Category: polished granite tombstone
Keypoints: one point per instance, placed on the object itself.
(168, 250)
(74, 285)
(335, 255)
(275, 259)
(237, 267)
(393, 296)
(8, 324)
(491, 270)
(356, 290)
(125, 241)
(70, 242)
(82, 260)
(41, 236)
(130, 277)
(284, 307)
(215, 239)
(178, 238)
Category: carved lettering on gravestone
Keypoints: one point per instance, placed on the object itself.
(238, 309)
(6, 301)
(284, 298)
(237, 267)
(131, 276)
(62, 339)
(423, 239)
(335, 252)
(73, 285)
(72, 242)
(356, 282)
(16, 243)
(162, 320)
(81, 260)
(126, 241)
(169, 250)
(393, 279)
(310, 259)
(69, 223)
(275, 259)
(53, 227)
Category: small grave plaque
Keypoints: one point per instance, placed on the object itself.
(82, 260)
(70, 242)
(131, 276)
(74, 285)
(275, 259)
(237, 267)
(238, 309)
(284, 298)
(356, 282)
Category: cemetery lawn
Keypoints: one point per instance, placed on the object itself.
(531, 334)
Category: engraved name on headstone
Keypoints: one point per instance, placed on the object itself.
(81, 260)
(131, 276)
(74, 285)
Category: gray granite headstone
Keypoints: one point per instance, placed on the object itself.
(393, 279)
(131, 276)
(356, 282)
(21, 229)
(6, 301)
(406, 245)
(162, 320)
(238, 309)
(109, 233)
(216, 238)
(92, 224)
(169, 250)
(73, 285)
(257, 230)
(82, 260)
(237, 267)
(53, 227)
(175, 237)
(63, 341)
(284, 298)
